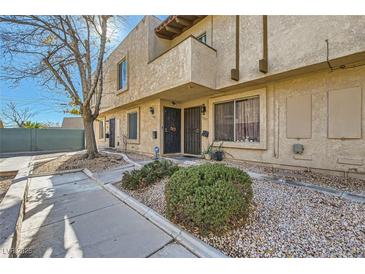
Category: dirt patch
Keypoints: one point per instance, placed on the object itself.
(67, 162)
(350, 184)
(136, 157)
(5, 183)
(47, 156)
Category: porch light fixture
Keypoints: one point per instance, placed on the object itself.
(203, 109)
(152, 110)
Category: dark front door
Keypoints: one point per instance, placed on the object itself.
(172, 124)
(192, 131)
(112, 133)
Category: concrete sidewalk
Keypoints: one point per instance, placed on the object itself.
(70, 215)
(113, 175)
(13, 164)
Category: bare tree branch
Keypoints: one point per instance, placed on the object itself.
(15, 116)
(66, 51)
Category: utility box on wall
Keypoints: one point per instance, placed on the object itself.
(298, 149)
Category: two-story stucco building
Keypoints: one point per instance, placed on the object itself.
(280, 90)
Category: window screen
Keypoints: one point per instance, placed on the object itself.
(237, 120)
(132, 125)
(344, 113)
(299, 116)
(248, 120)
(223, 121)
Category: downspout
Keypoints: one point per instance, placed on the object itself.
(235, 73)
(263, 63)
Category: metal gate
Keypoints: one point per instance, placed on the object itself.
(192, 131)
(112, 132)
(172, 131)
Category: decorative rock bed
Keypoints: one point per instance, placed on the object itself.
(285, 221)
(341, 183)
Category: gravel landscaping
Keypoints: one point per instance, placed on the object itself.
(67, 162)
(152, 196)
(350, 184)
(5, 182)
(285, 221)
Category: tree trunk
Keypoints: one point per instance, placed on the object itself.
(91, 148)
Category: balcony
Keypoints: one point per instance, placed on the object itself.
(190, 61)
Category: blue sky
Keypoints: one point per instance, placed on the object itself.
(48, 104)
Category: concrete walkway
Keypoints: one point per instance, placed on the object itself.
(13, 164)
(113, 175)
(71, 215)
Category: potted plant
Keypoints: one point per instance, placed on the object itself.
(218, 153)
(208, 152)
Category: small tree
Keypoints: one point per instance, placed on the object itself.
(50, 124)
(30, 124)
(15, 116)
(64, 50)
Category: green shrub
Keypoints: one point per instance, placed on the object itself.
(148, 174)
(210, 196)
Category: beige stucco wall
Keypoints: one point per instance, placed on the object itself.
(147, 124)
(276, 147)
(294, 42)
(190, 61)
(319, 150)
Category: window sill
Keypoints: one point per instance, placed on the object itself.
(242, 145)
(133, 141)
(121, 91)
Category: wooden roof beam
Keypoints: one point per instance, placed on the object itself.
(184, 22)
(173, 29)
(163, 36)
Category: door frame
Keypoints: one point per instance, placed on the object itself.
(163, 131)
(183, 131)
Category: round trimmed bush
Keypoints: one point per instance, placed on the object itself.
(209, 196)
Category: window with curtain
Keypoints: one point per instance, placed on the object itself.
(132, 125)
(248, 120)
(101, 130)
(122, 75)
(223, 121)
(237, 120)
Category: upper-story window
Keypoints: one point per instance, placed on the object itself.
(123, 75)
(202, 38)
